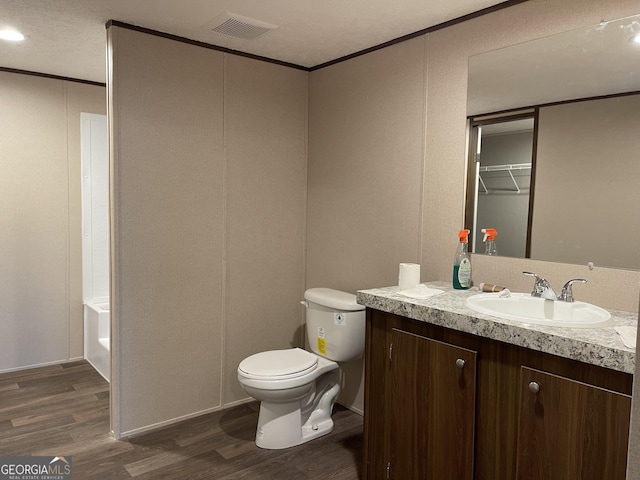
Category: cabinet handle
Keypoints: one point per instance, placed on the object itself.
(460, 363)
(534, 387)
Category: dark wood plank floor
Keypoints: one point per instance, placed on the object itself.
(63, 410)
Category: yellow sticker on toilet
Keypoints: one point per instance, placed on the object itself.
(322, 342)
(322, 346)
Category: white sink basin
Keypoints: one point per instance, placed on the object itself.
(522, 307)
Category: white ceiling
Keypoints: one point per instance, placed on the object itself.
(67, 37)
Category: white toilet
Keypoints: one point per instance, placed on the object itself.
(296, 388)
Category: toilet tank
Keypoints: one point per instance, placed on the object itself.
(335, 324)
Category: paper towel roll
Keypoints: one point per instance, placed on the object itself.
(409, 275)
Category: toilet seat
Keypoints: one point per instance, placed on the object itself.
(278, 364)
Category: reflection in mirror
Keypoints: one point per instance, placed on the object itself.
(585, 184)
(501, 168)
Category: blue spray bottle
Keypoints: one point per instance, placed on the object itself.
(462, 263)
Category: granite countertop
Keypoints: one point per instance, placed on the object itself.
(597, 346)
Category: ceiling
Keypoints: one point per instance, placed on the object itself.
(68, 38)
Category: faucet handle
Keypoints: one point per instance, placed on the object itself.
(541, 287)
(566, 295)
(539, 284)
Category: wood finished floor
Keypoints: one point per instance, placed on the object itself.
(64, 410)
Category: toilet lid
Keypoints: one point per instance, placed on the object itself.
(290, 363)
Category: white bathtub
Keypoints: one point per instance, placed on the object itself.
(96, 337)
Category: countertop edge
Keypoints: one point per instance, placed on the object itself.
(597, 346)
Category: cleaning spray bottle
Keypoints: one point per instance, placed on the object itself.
(490, 241)
(462, 263)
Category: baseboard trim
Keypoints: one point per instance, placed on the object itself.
(238, 402)
(156, 426)
(39, 365)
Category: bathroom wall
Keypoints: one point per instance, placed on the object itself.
(208, 202)
(41, 239)
(366, 124)
(266, 151)
(381, 230)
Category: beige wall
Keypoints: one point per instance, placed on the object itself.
(208, 195)
(266, 125)
(366, 123)
(40, 241)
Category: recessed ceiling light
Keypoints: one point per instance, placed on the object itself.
(636, 39)
(11, 35)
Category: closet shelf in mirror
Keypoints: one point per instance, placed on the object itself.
(509, 168)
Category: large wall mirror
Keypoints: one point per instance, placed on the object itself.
(565, 182)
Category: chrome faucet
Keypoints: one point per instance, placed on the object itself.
(542, 288)
(566, 295)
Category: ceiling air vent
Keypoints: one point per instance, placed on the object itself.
(238, 26)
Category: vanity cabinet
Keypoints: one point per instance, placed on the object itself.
(428, 415)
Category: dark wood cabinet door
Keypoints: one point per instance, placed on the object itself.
(432, 409)
(570, 430)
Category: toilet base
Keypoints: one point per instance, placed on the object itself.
(279, 427)
(284, 425)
